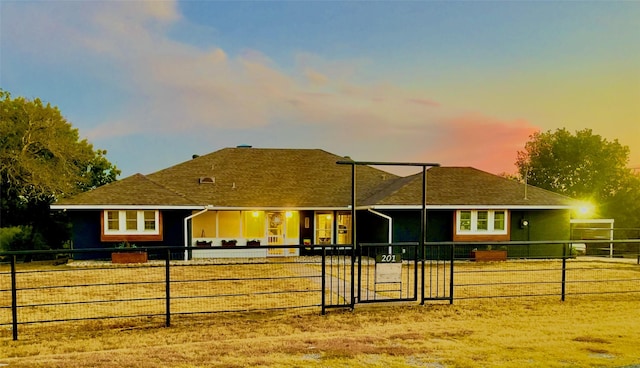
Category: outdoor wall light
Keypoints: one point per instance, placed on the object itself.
(585, 210)
(524, 223)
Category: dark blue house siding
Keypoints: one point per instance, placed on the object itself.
(543, 225)
(371, 228)
(406, 225)
(86, 233)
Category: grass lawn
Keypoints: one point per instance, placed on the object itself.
(591, 330)
(505, 333)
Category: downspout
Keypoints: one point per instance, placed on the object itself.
(186, 231)
(390, 220)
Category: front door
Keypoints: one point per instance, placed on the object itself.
(276, 232)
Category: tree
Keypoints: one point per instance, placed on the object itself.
(583, 166)
(43, 158)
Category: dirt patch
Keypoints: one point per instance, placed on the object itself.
(592, 339)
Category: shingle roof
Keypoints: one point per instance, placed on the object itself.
(465, 186)
(305, 178)
(133, 190)
(247, 177)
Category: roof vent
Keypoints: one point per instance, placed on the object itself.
(244, 146)
(207, 180)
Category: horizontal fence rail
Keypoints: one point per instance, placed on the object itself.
(65, 288)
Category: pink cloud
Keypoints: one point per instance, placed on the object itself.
(483, 142)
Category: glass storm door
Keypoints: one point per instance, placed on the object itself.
(324, 227)
(275, 228)
(275, 232)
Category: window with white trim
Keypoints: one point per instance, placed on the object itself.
(481, 222)
(143, 222)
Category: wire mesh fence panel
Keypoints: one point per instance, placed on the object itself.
(5, 294)
(516, 278)
(245, 284)
(51, 293)
(603, 276)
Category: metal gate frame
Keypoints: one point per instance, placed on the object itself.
(388, 253)
(357, 248)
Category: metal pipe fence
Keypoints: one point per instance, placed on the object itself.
(532, 269)
(331, 276)
(55, 291)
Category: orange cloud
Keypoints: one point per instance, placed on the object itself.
(483, 142)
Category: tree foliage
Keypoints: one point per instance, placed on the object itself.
(43, 158)
(583, 166)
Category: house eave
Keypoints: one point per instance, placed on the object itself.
(121, 207)
(278, 208)
(190, 207)
(472, 207)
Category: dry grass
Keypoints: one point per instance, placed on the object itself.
(584, 331)
(49, 292)
(475, 333)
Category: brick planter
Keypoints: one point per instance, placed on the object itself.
(488, 255)
(129, 257)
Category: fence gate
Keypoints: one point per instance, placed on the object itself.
(383, 272)
(437, 273)
(338, 288)
(387, 272)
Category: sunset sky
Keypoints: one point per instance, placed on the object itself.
(459, 83)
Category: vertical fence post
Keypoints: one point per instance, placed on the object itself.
(14, 298)
(167, 276)
(564, 271)
(323, 281)
(453, 256)
(353, 279)
(421, 248)
(415, 272)
(423, 226)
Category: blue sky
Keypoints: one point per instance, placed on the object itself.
(460, 83)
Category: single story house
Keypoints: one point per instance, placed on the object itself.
(244, 198)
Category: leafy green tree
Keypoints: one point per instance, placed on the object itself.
(584, 166)
(43, 158)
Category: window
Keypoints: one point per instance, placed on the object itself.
(324, 227)
(344, 227)
(498, 220)
(229, 224)
(113, 224)
(149, 220)
(465, 220)
(481, 222)
(131, 222)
